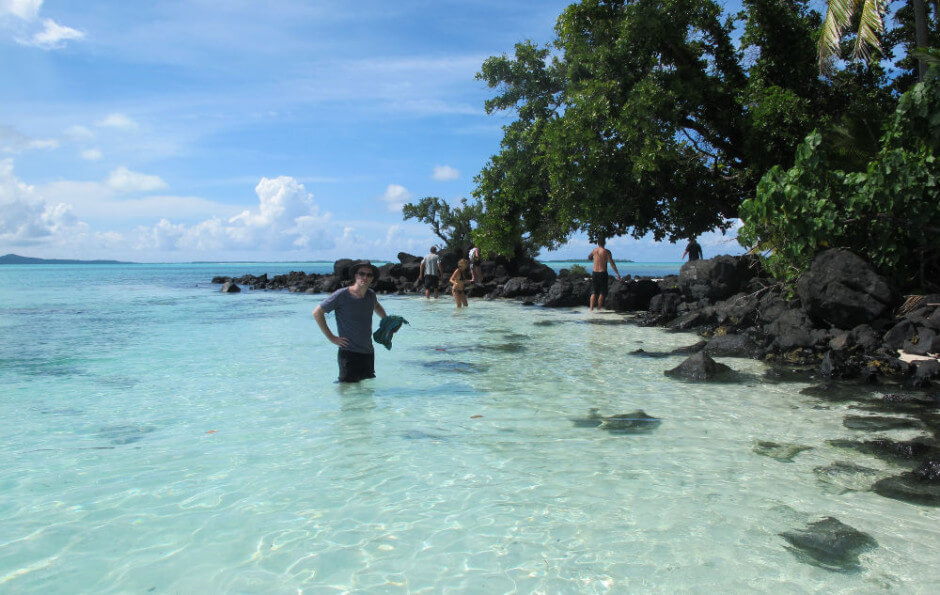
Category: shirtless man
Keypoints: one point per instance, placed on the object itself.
(600, 256)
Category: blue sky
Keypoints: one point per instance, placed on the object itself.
(186, 130)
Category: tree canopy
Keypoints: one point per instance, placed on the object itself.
(452, 224)
(646, 116)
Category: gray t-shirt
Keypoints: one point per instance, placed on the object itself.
(430, 265)
(353, 317)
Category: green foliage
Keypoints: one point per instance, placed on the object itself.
(888, 213)
(644, 117)
(577, 270)
(452, 224)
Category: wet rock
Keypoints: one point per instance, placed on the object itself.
(921, 486)
(716, 278)
(694, 348)
(732, 345)
(634, 422)
(877, 423)
(841, 477)
(843, 290)
(230, 287)
(593, 419)
(830, 544)
(899, 333)
(699, 367)
(632, 295)
(834, 392)
(891, 450)
(923, 342)
(791, 330)
(568, 294)
(779, 452)
(665, 303)
(520, 287)
(925, 372)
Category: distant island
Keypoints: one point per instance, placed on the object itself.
(17, 259)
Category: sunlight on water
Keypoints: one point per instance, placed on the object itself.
(159, 435)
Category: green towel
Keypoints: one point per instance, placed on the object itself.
(388, 327)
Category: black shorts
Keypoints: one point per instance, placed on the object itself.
(355, 366)
(431, 281)
(599, 283)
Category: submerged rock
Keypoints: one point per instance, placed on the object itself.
(917, 487)
(830, 544)
(891, 450)
(779, 452)
(877, 423)
(699, 367)
(634, 422)
(846, 477)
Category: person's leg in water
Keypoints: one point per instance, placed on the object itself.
(593, 301)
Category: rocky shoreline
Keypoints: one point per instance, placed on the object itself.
(843, 328)
(844, 322)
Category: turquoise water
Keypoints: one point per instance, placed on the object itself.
(158, 435)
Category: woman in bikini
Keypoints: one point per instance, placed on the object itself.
(458, 279)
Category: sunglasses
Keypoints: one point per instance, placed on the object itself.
(365, 275)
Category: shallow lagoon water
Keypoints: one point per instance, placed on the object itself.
(161, 436)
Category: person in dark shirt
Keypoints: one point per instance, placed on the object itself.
(693, 250)
(354, 306)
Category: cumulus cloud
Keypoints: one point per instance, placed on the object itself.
(286, 219)
(24, 9)
(445, 173)
(24, 217)
(396, 196)
(127, 181)
(91, 154)
(53, 36)
(119, 121)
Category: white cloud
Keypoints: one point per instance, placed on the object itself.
(286, 219)
(79, 133)
(445, 173)
(24, 9)
(396, 196)
(24, 217)
(13, 141)
(127, 181)
(53, 36)
(50, 143)
(119, 121)
(91, 154)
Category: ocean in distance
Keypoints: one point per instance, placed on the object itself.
(160, 436)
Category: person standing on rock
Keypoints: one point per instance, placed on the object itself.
(600, 256)
(693, 250)
(354, 306)
(476, 273)
(430, 270)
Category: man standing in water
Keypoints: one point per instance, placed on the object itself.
(601, 256)
(354, 306)
(430, 269)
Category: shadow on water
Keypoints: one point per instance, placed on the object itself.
(453, 366)
(124, 434)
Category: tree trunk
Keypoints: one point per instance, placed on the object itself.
(920, 35)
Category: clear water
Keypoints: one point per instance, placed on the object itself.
(158, 435)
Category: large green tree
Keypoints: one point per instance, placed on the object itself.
(644, 116)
